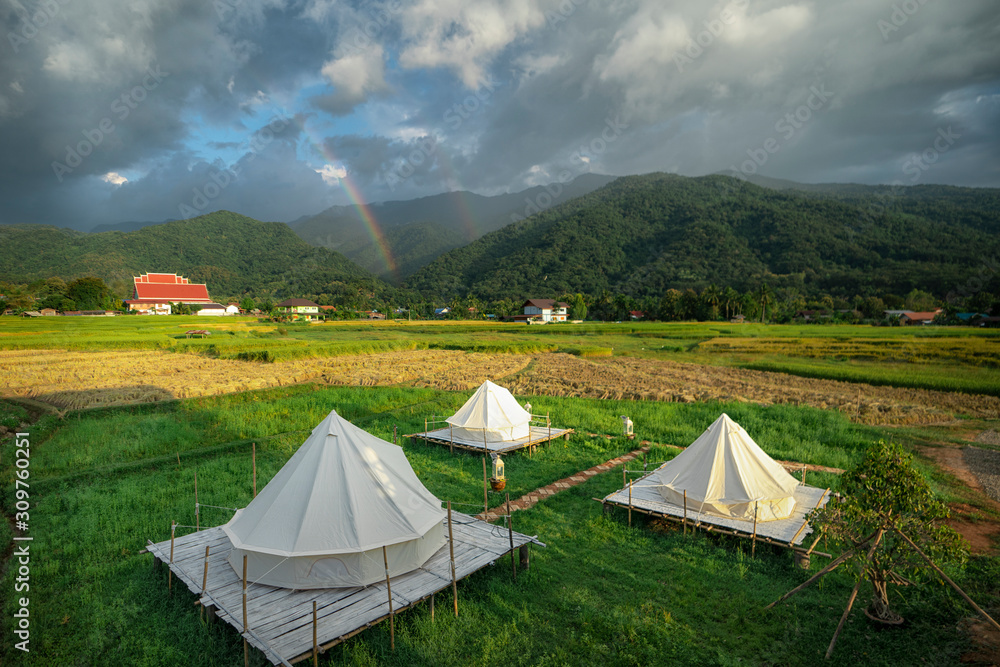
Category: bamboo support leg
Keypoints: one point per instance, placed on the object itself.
(753, 544)
(432, 607)
(685, 512)
(197, 520)
(204, 579)
(630, 503)
(850, 600)
(451, 549)
(829, 568)
(170, 570)
(510, 534)
(246, 648)
(388, 588)
(486, 502)
(948, 580)
(315, 642)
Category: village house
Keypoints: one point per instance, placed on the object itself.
(153, 293)
(911, 318)
(299, 309)
(544, 310)
(212, 310)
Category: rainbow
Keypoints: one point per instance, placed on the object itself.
(356, 199)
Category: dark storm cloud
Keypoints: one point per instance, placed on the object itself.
(416, 97)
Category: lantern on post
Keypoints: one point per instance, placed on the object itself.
(498, 482)
(627, 426)
(527, 408)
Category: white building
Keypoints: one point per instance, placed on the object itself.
(546, 310)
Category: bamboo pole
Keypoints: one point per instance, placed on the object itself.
(510, 534)
(803, 475)
(451, 436)
(451, 549)
(486, 502)
(197, 522)
(204, 580)
(170, 573)
(948, 580)
(432, 607)
(246, 649)
(854, 595)
(315, 642)
(829, 568)
(624, 479)
(254, 455)
(685, 512)
(388, 588)
(630, 503)
(753, 543)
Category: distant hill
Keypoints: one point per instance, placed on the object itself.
(232, 253)
(642, 235)
(417, 231)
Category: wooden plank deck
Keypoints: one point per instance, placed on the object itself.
(280, 619)
(538, 435)
(788, 532)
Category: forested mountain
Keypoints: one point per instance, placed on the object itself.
(417, 231)
(642, 235)
(232, 253)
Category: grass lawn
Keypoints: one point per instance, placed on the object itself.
(104, 481)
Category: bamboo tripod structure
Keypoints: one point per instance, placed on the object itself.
(877, 536)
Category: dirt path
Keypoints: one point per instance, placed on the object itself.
(981, 531)
(532, 498)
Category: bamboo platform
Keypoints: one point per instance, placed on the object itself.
(788, 533)
(538, 435)
(280, 620)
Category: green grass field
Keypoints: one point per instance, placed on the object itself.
(104, 481)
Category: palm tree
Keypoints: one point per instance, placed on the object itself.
(766, 297)
(711, 295)
(729, 299)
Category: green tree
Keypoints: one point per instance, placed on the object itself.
(90, 293)
(578, 308)
(247, 304)
(885, 499)
(920, 301)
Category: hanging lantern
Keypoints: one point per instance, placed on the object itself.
(498, 482)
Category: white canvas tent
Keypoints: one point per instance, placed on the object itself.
(492, 414)
(725, 472)
(323, 519)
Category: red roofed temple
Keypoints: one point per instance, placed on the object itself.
(154, 292)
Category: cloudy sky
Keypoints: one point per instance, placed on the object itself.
(158, 109)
